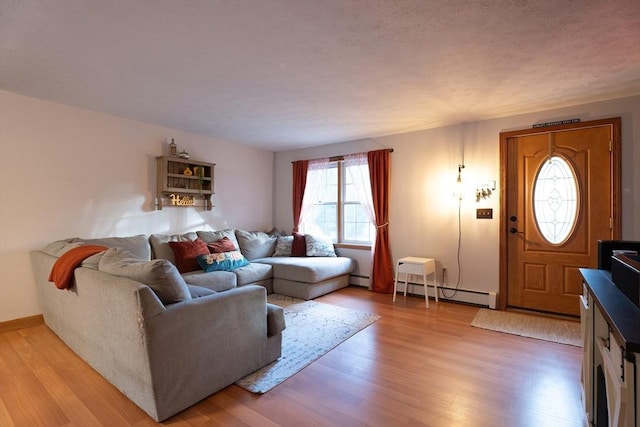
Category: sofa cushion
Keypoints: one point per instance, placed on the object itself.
(63, 269)
(159, 274)
(92, 261)
(253, 273)
(199, 291)
(276, 232)
(299, 245)
(160, 244)
(223, 261)
(319, 246)
(223, 245)
(218, 281)
(308, 269)
(60, 247)
(186, 253)
(136, 245)
(283, 246)
(214, 236)
(256, 244)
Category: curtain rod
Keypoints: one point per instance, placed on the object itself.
(341, 157)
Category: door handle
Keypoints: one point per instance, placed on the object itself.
(514, 230)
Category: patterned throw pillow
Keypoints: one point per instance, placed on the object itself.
(283, 246)
(214, 236)
(223, 245)
(186, 252)
(319, 246)
(223, 261)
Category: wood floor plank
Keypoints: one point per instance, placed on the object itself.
(414, 367)
(5, 417)
(71, 405)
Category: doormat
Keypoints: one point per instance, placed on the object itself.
(529, 325)
(312, 330)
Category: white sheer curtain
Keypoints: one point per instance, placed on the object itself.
(316, 176)
(358, 169)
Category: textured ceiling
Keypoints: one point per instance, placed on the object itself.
(282, 74)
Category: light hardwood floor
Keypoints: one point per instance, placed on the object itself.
(414, 367)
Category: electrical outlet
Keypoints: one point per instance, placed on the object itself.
(484, 213)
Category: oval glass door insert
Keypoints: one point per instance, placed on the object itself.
(555, 200)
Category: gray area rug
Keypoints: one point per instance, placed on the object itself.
(529, 325)
(313, 329)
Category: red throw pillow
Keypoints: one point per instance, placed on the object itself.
(186, 252)
(299, 245)
(223, 245)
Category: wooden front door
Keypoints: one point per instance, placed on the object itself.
(560, 197)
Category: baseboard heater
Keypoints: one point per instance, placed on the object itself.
(468, 296)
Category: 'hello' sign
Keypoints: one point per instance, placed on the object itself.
(177, 200)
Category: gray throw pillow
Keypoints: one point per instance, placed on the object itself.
(159, 274)
(137, 245)
(59, 247)
(160, 244)
(256, 244)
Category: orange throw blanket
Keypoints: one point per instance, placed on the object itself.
(62, 271)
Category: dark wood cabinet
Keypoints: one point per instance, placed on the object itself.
(611, 352)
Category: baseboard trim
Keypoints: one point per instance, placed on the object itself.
(466, 296)
(22, 323)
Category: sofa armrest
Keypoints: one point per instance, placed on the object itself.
(275, 320)
(199, 346)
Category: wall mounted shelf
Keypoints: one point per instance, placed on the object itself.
(181, 182)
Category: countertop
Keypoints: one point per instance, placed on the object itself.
(621, 314)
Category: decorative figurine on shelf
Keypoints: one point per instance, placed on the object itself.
(173, 148)
(188, 172)
(184, 155)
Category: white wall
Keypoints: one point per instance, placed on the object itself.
(68, 172)
(423, 213)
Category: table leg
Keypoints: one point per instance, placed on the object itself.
(424, 282)
(435, 282)
(406, 280)
(395, 282)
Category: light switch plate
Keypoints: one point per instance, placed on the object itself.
(484, 213)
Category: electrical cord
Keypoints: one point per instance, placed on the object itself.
(459, 281)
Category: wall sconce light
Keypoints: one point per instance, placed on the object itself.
(459, 188)
(484, 191)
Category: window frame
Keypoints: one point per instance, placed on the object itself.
(339, 206)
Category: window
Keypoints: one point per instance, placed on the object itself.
(555, 200)
(337, 213)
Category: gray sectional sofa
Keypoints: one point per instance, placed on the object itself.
(164, 338)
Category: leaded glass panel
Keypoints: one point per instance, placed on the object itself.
(555, 200)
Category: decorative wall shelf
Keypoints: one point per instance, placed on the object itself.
(181, 182)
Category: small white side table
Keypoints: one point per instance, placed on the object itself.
(415, 265)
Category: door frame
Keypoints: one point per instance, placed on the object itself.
(506, 193)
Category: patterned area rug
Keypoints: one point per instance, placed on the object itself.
(313, 329)
(531, 326)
